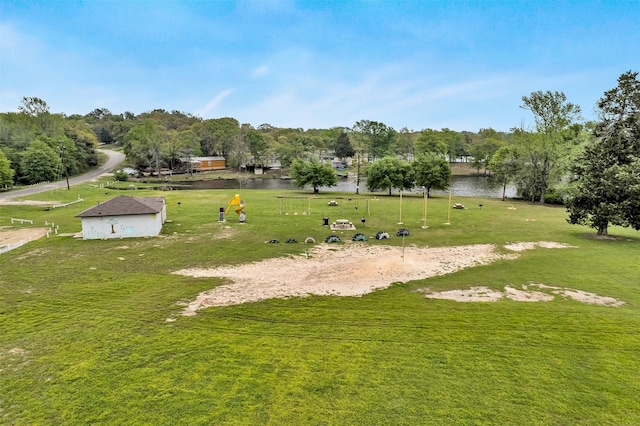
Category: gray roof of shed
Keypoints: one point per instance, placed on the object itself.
(125, 205)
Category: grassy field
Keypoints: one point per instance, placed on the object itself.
(84, 337)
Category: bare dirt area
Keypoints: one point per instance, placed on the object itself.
(522, 246)
(354, 270)
(544, 293)
(15, 236)
(12, 202)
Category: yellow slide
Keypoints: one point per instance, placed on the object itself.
(239, 203)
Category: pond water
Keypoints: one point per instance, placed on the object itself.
(466, 186)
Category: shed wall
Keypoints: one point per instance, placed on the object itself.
(125, 226)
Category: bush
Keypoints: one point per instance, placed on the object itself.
(121, 176)
(555, 196)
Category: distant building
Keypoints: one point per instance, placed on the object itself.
(203, 164)
(124, 217)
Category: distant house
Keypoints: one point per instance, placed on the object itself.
(203, 164)
(124, 217)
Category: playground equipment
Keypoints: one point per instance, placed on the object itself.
(239, 203)
(449, 209)
(382, 235)
(425, 195)
(342, 225)
(295, 205)
(302, 205)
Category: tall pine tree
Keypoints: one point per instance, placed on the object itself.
(607, 186)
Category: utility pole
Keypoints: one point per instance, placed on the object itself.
(64, 164)
(358, 177)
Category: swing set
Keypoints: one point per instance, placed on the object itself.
(302, 205)
(295, 205)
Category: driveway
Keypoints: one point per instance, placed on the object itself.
(114, 159)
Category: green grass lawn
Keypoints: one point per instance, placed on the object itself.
(84, 337)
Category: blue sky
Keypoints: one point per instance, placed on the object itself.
(464, 65)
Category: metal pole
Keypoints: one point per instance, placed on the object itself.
(358, 176)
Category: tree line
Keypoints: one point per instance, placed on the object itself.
(561, 159)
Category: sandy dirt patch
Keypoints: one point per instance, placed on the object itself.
(349, 270)
(12, 202)
(522, 246)
(14, 236)
(544, 293)
(473, 294)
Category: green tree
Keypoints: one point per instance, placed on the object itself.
(6, 172)
(174, 120)
(405, 143)
(388, 173)
(431, 171)
(47, 124)
(258, 146)
(17, 130)
(607, 186)
(432, 141)
(118, 127)
(455, 143)
(82, 151)
(376, 139)
(547, 152)
(313, 173)
(482, 151)
(290, 146)
(382, 139)
(505, 166)
(343, 147)
(218, 136)
(144, 145)
(171, 148)
(41, 163)
(188, 146)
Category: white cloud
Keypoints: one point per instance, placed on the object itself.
(260, 71)
(214, 102)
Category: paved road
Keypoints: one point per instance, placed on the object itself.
(114, 159)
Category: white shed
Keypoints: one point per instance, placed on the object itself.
(124, 217)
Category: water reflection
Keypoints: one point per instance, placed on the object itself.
(471, 186)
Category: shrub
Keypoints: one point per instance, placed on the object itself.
(121, 176)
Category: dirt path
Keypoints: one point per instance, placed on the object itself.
(357, 269)
(15, 236)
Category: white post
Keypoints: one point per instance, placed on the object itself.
(424, 218)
